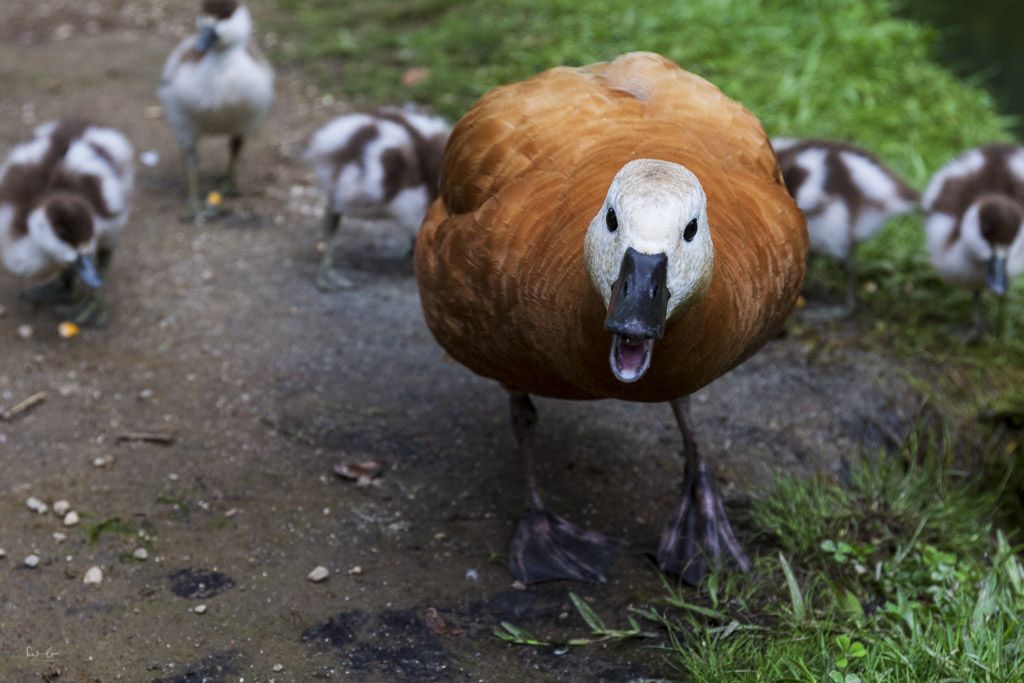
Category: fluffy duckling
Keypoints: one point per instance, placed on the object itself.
(216, 83)
(65, 197)
(613, 231)
(847, 195)
(974, 214)
(371, 164)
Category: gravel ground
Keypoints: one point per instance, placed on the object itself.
(261, 384)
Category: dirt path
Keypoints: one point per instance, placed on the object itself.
(219, 338)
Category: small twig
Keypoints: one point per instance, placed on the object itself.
(27, 404)
(149, 437)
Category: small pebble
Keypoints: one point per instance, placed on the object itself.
(102, 461)
(59, 537)
(93, 577)
(71, 518)
(149, 158)
(518, 585)
(141, 554)
(3, 553)
(278, 668)
(231, 513)
(61, 507)
(32, 561)
(355, 571)
(472, 575)
(199, 609)
(319, 574)
(25, 331)
(36, 505)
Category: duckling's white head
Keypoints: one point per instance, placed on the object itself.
(62, 233)
(222, 24)
(649, 255)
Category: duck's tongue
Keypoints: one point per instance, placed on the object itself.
(630, 357)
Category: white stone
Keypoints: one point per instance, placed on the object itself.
(141, 554)
(61, 507)
(93, 577)
(59, 537)
(32, 561)
(199, 609)
(319, 574)
(36, 505)
(25, 331)
(3, 553)
(71, 518)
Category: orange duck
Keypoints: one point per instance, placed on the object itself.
(619, 230)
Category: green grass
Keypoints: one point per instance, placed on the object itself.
(901, 575)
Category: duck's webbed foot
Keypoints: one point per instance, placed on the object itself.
(548, 547)
(60, 290)
(698, 536)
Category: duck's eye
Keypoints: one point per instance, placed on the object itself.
(690, 231)
(611, 220)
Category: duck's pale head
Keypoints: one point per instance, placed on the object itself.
(649, 254)
(63, 233)
(999, 222)
(222, 24)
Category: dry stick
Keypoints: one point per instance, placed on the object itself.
(27, 404)
(151, 437)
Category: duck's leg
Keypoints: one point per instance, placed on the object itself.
(328, 278)
(546, 546)
(698, 534)
(92, 312)
(234, 152)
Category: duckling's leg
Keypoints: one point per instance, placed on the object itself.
(59, 290)
(698, 534)
(234, 151)
(850, 266)
(980, 330)
(546, 546)
(195, 208)
(328, 278)
(92, 312)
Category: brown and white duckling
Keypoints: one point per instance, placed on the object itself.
(216, 83)
(372, 164)
(974, 222)
(847, 195)
(65, 197)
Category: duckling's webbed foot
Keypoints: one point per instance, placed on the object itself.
(698, 535)
(92, 312)
(548, 547)
(329, 278)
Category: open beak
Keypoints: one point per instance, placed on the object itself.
(997, 280)
(87, 272)
(206, 40)
(636, 313)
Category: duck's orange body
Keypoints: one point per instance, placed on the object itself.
(499, 259)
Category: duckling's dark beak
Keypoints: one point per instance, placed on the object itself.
(87, 272)
(636, 313)
(997, 280)
(206, 40)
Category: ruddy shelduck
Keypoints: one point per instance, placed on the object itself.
(619, 230)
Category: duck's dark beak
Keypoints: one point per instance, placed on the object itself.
(636, 313)
(206, 40)
(997, 280)
(87, 272)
